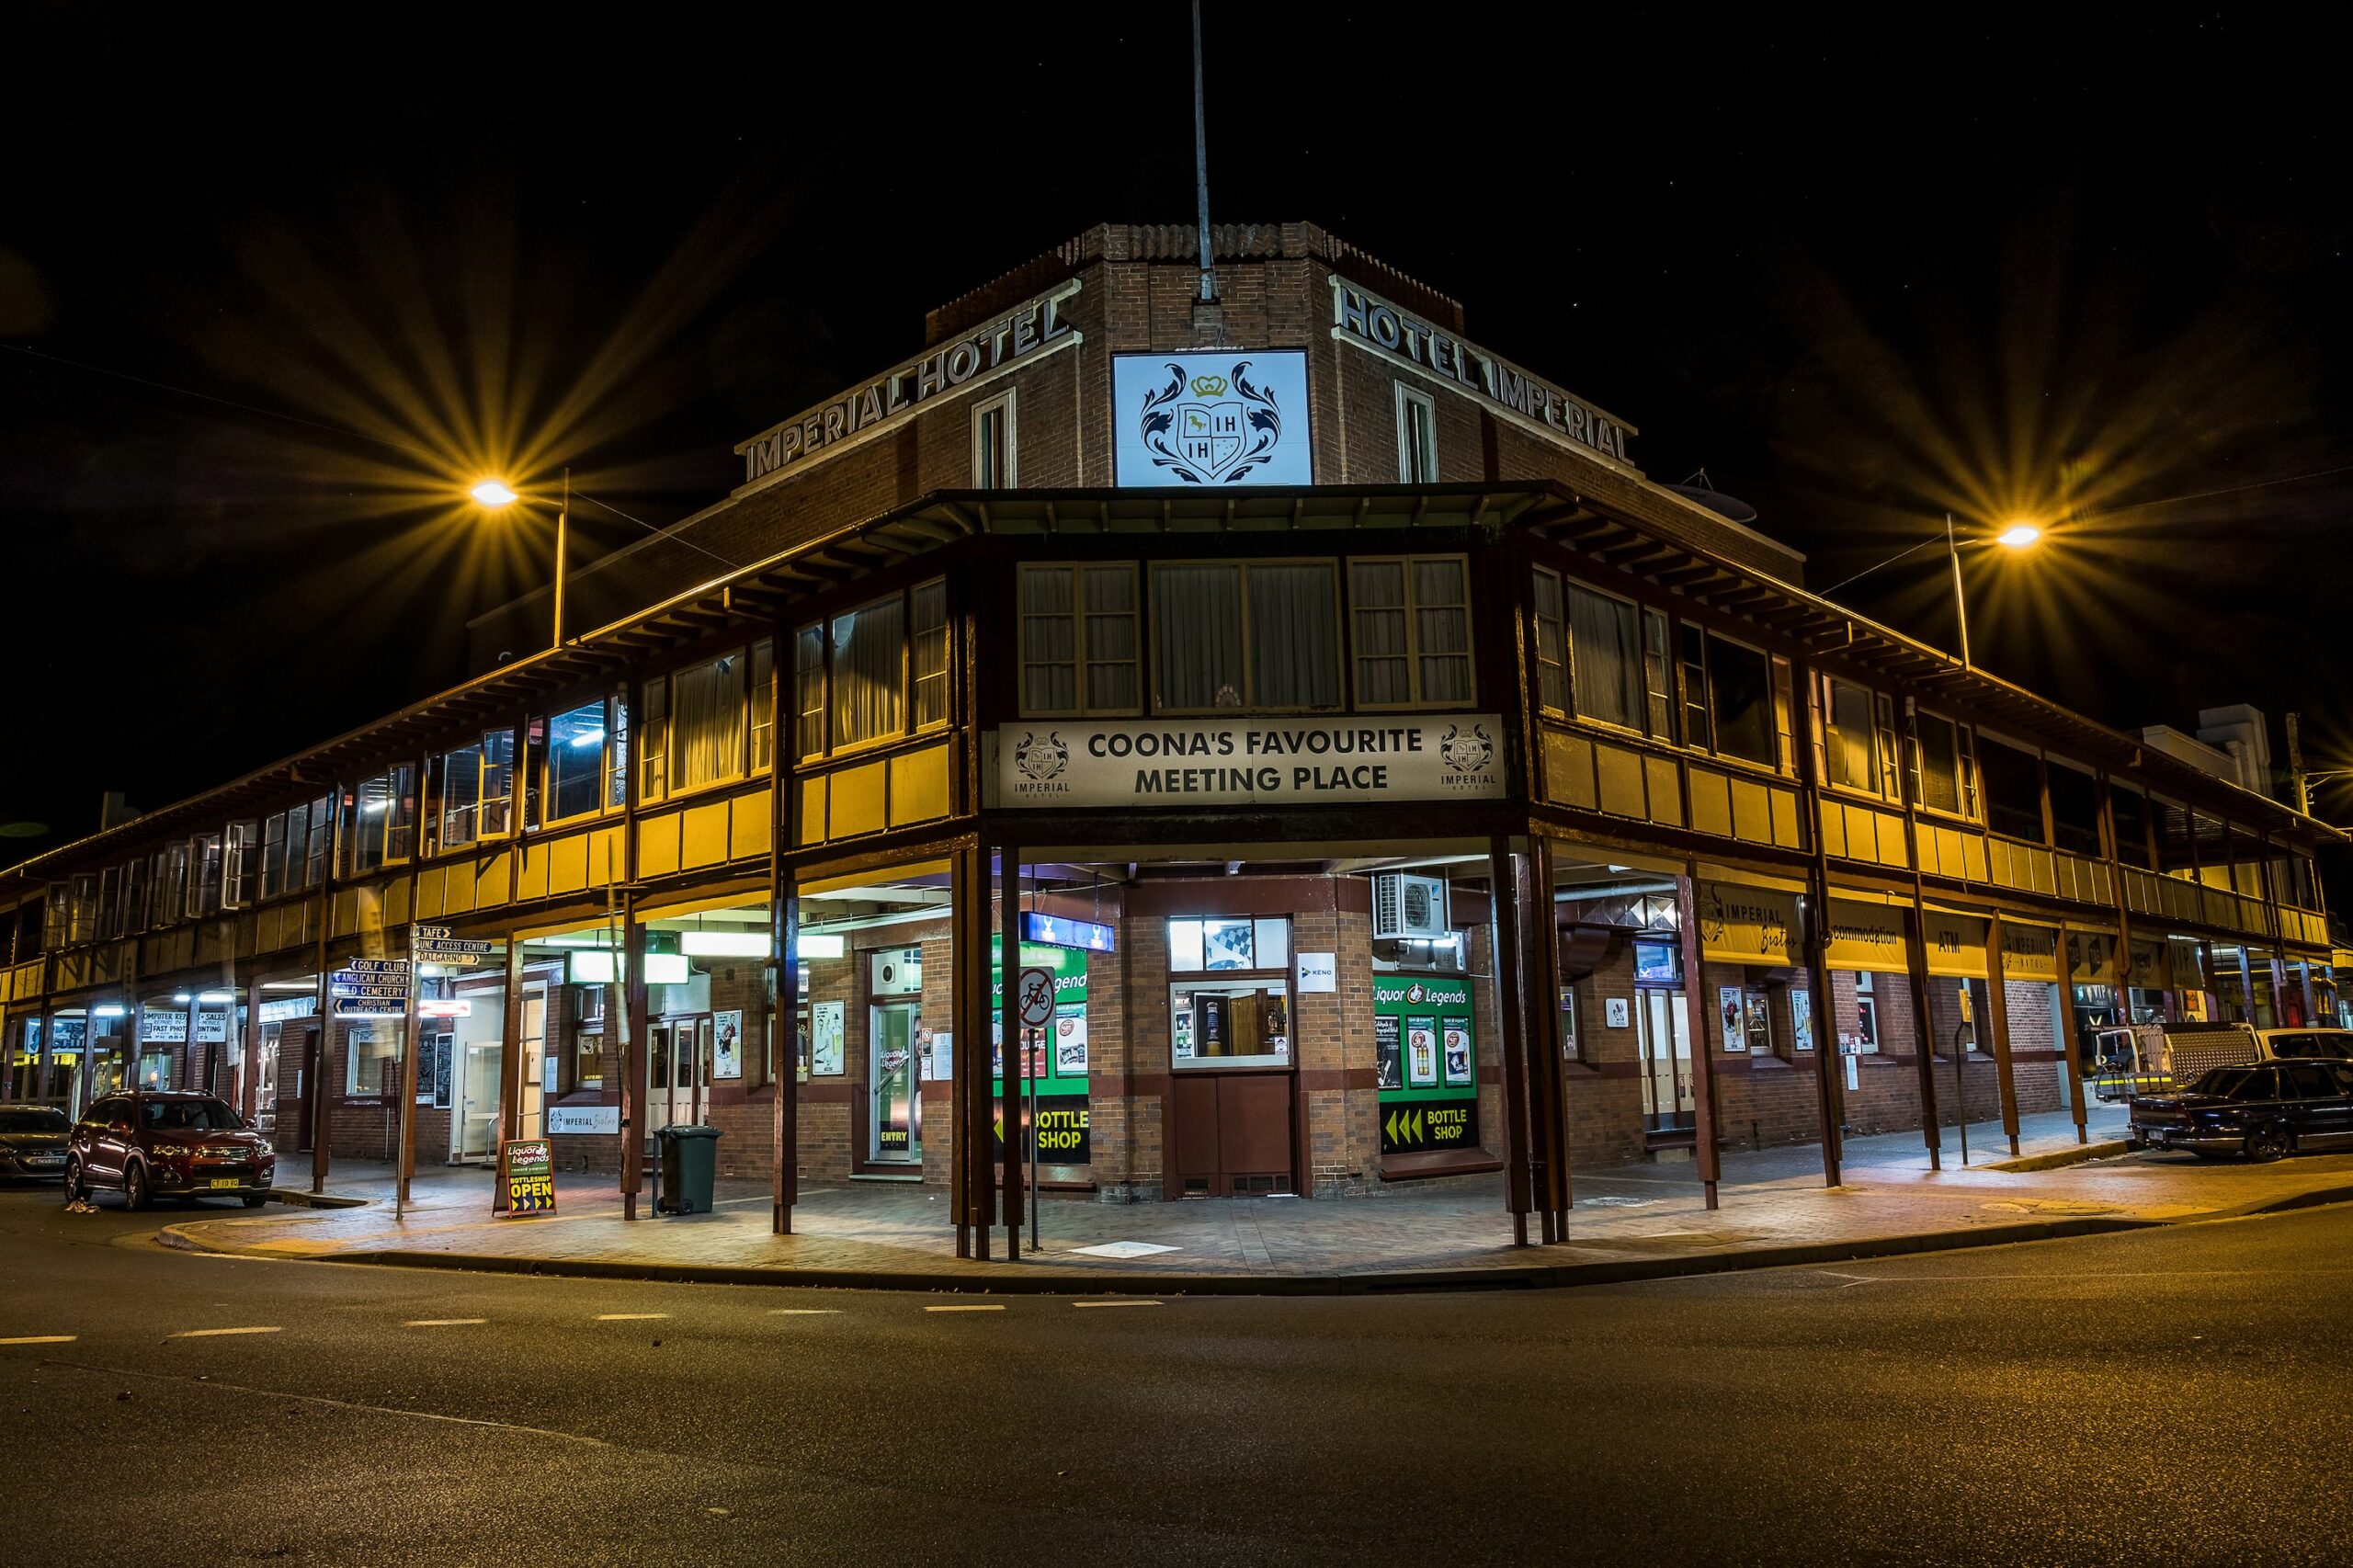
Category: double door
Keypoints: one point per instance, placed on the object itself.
(678, 1071)
(1662, 1028)
(894, 1121)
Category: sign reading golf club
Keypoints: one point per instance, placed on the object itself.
(1236, 416)
(1263, 762)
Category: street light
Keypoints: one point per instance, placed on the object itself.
(2018, 536)
(493, 495)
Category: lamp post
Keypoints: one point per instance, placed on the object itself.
(2017, 536)
(495, 495)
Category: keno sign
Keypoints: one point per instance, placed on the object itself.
(1237, 416)
(1256, 761)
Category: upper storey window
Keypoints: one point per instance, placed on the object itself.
(1417, 436)
(873, 672)
(996, 461)
(1411, 619)
(1603, 658)
(1245, 634)
(1081, 643)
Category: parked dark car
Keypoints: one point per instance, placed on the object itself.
(2262, 1111)
(157, 1143)
(32, 1143)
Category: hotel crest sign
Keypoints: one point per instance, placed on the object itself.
(1227, 416)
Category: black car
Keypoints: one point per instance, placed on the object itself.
(2262, 1111)
(32, 1143)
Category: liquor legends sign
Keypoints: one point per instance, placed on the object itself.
(1024, 333)
(1258, 762)
(1364, 318)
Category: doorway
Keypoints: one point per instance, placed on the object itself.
(677, 1070)
(1663, 1028)
(895, 1118)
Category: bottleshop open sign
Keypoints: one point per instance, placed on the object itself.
(1258, 762)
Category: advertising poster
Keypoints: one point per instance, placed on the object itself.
(727, 1060)
(527, 1167)
(1421, 1053)
(1426, 1062)
(1059, 1058)
(1736, 1031)
(825, 1040)
(1454, 1046)
(1801, 1019)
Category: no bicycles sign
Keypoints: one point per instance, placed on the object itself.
(1034, 997)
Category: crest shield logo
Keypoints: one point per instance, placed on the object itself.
(1209, 429)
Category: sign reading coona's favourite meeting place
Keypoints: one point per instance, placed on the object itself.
(1261, 762)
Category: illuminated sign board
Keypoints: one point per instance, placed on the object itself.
(1060, 931)
(1235, 416)
(1258, 762)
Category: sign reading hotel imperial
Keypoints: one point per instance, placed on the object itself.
(1023, 333)
(1270, 761)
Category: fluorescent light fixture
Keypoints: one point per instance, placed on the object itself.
(587, 737)
(428, 968)
(593, 966)
(822, 945)
(727, 944)
(182, 998)
(108, 1010)
(215, 997)
(665, 969)
(289, 985)
(597, 967)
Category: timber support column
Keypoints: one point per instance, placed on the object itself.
(1998, 1024)
(2070, 1057)
(1510, 1012)
(1012, 1052)
(1549, 1098)
(1703, 1059)
(1828, 1090)
(784, 907)
(249, 1097)
(972, 1172)
(510, 1072)
(1924, 1034)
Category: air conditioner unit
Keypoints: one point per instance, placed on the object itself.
(1407, 905)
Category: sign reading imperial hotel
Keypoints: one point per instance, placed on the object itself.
(1396, 784)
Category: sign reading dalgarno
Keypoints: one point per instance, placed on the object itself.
(1276, 761)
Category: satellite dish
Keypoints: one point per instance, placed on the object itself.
(1716, 500)
(23, 829)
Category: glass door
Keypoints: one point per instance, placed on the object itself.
(897, 1118)
(1664, 1028)
(476, 1129)
(533, 1115)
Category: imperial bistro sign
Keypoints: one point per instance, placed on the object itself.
(1259, 762)
(1364, 318)
(1023, 333)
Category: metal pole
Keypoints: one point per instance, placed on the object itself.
(1960, 601)
(1961, 1087)
(1695, 1014)
(563, 521)
(1201, 160)
(1009, 1030)
(1036, 1037)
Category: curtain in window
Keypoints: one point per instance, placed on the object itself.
(1049, 675)
(1850, 737)
(1111, 637)
(1605, 659)
(1294, 636)
(809, 691)
(1377, 595)
(1197, 635)
(707, 722)
(869, 674)
(1740, 691)
(1442, 630)
(927, 649)
(1940, 764)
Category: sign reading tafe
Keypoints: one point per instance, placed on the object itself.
(1258, 762)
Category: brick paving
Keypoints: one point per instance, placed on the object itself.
(1769, 1199)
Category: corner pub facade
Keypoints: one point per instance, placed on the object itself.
(1396, 784)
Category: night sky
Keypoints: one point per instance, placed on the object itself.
(1862, 275)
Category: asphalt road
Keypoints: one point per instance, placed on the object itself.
(2171, 1396)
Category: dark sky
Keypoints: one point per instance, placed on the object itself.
(2092, 270)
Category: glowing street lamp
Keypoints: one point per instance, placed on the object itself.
(2018, 536)
(492, 495)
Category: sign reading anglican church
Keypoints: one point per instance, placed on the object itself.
(1026, 333)
(1258, 762)
(1234, 416)
(1364, 318)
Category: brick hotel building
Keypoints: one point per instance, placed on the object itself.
(1395, 784)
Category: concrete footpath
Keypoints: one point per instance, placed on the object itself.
(1629, 1223)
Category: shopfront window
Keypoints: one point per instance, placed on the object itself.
(1080, 647)
(2012, 779)
(1227, 634)
(370, 1051)
(1411, 619)
(1242, 1018)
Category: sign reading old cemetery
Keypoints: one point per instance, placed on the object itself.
(1267, 762)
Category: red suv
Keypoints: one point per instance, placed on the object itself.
(156, 1143)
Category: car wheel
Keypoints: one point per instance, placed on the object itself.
(76, 1189)
(134, 1186)
(256, 1200)
(2266, 1144)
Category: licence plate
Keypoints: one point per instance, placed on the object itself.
(219, 1182)
(47, 1160)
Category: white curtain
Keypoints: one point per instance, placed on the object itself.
(1110, 608)
(1605, 660)
(707, 722)
(1295, 635)
(1197, 635)
(1377, 591)
(870, 656)
(1442, 630)
(1049, 672)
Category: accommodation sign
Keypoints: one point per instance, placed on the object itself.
(1364, 318)
(1255, 762)
(1022, 334)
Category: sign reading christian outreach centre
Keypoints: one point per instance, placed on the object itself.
(1259, 762)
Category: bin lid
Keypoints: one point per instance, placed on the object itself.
(684, 1130)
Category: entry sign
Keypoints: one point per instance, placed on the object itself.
(1034, 997)
(529, 1167)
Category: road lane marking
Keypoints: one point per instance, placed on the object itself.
(441, 1323)
(1133, 1302)
(804, 1312)
(219, 1387)
(41, 1339)
(976, 1307)
(218, 1333)
(629, 1317)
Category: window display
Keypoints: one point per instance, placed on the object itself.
(1238, 1024)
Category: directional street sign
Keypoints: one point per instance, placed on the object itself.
(376, 966)
(1034, 997)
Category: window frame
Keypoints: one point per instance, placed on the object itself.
(1342, 668)
(2042, 835)
(1887, 787)
(1079, 663)
(1412, 401)
(1775, 730)
(1002, 403)
(829, 746)
(1411, 608)
(1965, 788)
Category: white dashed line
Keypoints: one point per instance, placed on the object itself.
(804, 1312)
(629, 1317)
(41, 1339)
(441, 1323)
(1126, 1303)
(219, 1332)
(976, 1307)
